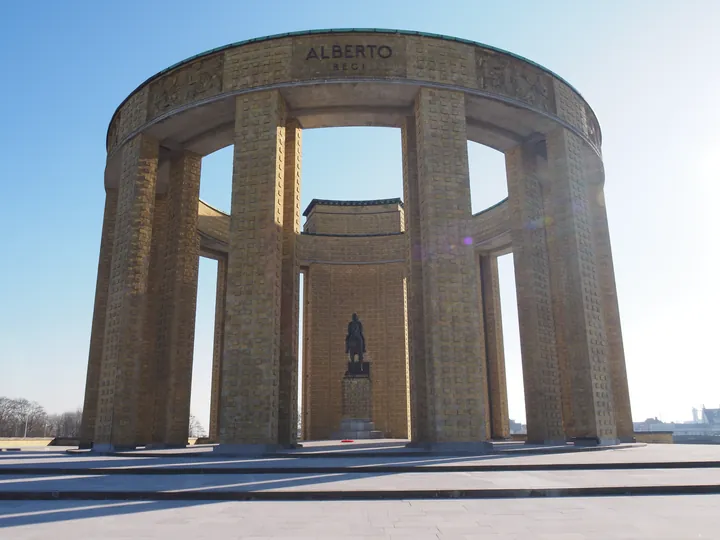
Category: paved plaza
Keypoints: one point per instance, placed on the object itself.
(387, 493)
(675, 517)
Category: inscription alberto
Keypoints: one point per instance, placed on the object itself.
(359, 53)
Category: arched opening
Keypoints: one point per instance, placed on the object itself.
(215, 189)
(370, 168)
(488, 186)
(488, 182)
(511, 342)
(371, 159)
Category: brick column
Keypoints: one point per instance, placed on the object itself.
(181, 279)
(124, 340)
(611, 314)
(153, 378)
(289, 309)
(218, 342)
(494, 349)
(97, 335)
(250, 371)
(307, 347)
(541, 371)
(454, 344)
(415, 309)
(580, 297)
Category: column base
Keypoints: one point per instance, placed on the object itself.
(164, 446)
(246, 449)
(473, 447)
(549, 442)
(104, 448)
(593, 441)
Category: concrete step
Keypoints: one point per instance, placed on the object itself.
(356, 435)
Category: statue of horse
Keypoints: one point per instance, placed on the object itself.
(355, 340)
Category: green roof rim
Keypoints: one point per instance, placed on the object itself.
(338, 31)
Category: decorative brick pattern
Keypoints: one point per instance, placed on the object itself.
(218, 342)
(306, 354)
(154, 377)
(124, 341)
(611, 313)
(257, 64)
(573, 109)
(454, 350)
(414, 289)
(186, 84)
(356, 398)
(250, 378)
(371, 219)
(351, 250)
(500, 74)
(181, 277)
(90, 406)
(442, 61)
(131, 116)
(583, 327)
(491, 223)
(557, 287)
(541, 372)
(494, 350)
(289, 308)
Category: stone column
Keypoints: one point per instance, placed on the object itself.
(218, 342)
(307, 347)
(541, 370)
(181, 279)
(250, 370)
(124, 340)
(154, 377)
(494, 349)
(581, 297)
(454, 344)
(97, 335)
(289, 308)
(611, 312)
(415, 309)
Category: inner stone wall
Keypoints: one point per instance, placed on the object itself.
(374, 290)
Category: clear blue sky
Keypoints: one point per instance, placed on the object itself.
(647, 67)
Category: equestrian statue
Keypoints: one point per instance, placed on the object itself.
(355, 340)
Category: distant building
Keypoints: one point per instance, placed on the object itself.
(707, 429)
(517, 428)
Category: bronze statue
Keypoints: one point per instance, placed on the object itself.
(355, 340)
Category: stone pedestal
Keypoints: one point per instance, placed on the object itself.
(357, 404)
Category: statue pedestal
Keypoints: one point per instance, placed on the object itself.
(357, 404)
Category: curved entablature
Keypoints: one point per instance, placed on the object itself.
(350, 78)
(491, 229)
(490, 234)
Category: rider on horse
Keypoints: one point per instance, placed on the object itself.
(355, 340)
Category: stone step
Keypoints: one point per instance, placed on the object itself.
(356, 435)
(357, 428)
(356, 424)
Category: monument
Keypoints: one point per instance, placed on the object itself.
(356, 389)
(355, 348)
(422, 271)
